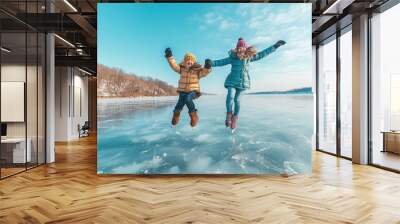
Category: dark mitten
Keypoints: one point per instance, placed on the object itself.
(207, 63)
(168, 52)
(279, 43)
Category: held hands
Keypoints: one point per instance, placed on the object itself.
(207, 63)
(279, 43)
(168, 52)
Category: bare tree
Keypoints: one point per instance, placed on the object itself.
(114, 82)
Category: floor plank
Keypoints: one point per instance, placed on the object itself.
(70, 191)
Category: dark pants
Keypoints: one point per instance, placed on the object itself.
(186, 99)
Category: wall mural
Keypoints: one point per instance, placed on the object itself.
(216, 88)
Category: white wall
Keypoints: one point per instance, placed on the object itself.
(62, 82)
(70, 83)
(16, 73)
(13, 73)
(33, 126)
(81, 84)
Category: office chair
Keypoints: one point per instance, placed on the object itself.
(84, 130)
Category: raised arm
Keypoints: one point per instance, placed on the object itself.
(263, 53)
(171, 61)
(221, 62)
(267, 51)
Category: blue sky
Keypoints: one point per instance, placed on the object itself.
(133, 37)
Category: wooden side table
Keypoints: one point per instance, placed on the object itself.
(391, 141)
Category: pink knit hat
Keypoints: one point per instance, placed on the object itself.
(241, 43)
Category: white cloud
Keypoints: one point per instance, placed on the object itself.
(216, 19)
(259, 40)
(262, 25)
(226, 24)
(288, 67)
(259, 16)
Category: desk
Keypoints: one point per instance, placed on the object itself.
(18, 150)
(391, 141)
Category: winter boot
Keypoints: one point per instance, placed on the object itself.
(234, 121)
(175, 118)
(228, 119)
(193, 118)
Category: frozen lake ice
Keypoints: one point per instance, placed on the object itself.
(274, 134)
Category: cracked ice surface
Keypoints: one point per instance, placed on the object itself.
(273, 136)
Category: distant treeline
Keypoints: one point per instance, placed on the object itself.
(114, 82)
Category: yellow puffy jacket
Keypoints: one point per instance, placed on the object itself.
(190, 77)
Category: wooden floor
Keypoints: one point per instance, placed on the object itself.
(5, 172)
(387, 159)
(70, 191)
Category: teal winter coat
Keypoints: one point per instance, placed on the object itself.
(239, 76)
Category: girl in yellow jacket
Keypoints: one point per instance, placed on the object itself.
(189, 86)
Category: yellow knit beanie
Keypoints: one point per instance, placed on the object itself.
(190, 56)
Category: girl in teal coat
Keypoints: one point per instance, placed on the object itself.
(238, 79)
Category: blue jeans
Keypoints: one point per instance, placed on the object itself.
(186, 99)
(233, 99)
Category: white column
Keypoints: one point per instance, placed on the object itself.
(50, 92)
(360, 90)
(50, 99)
